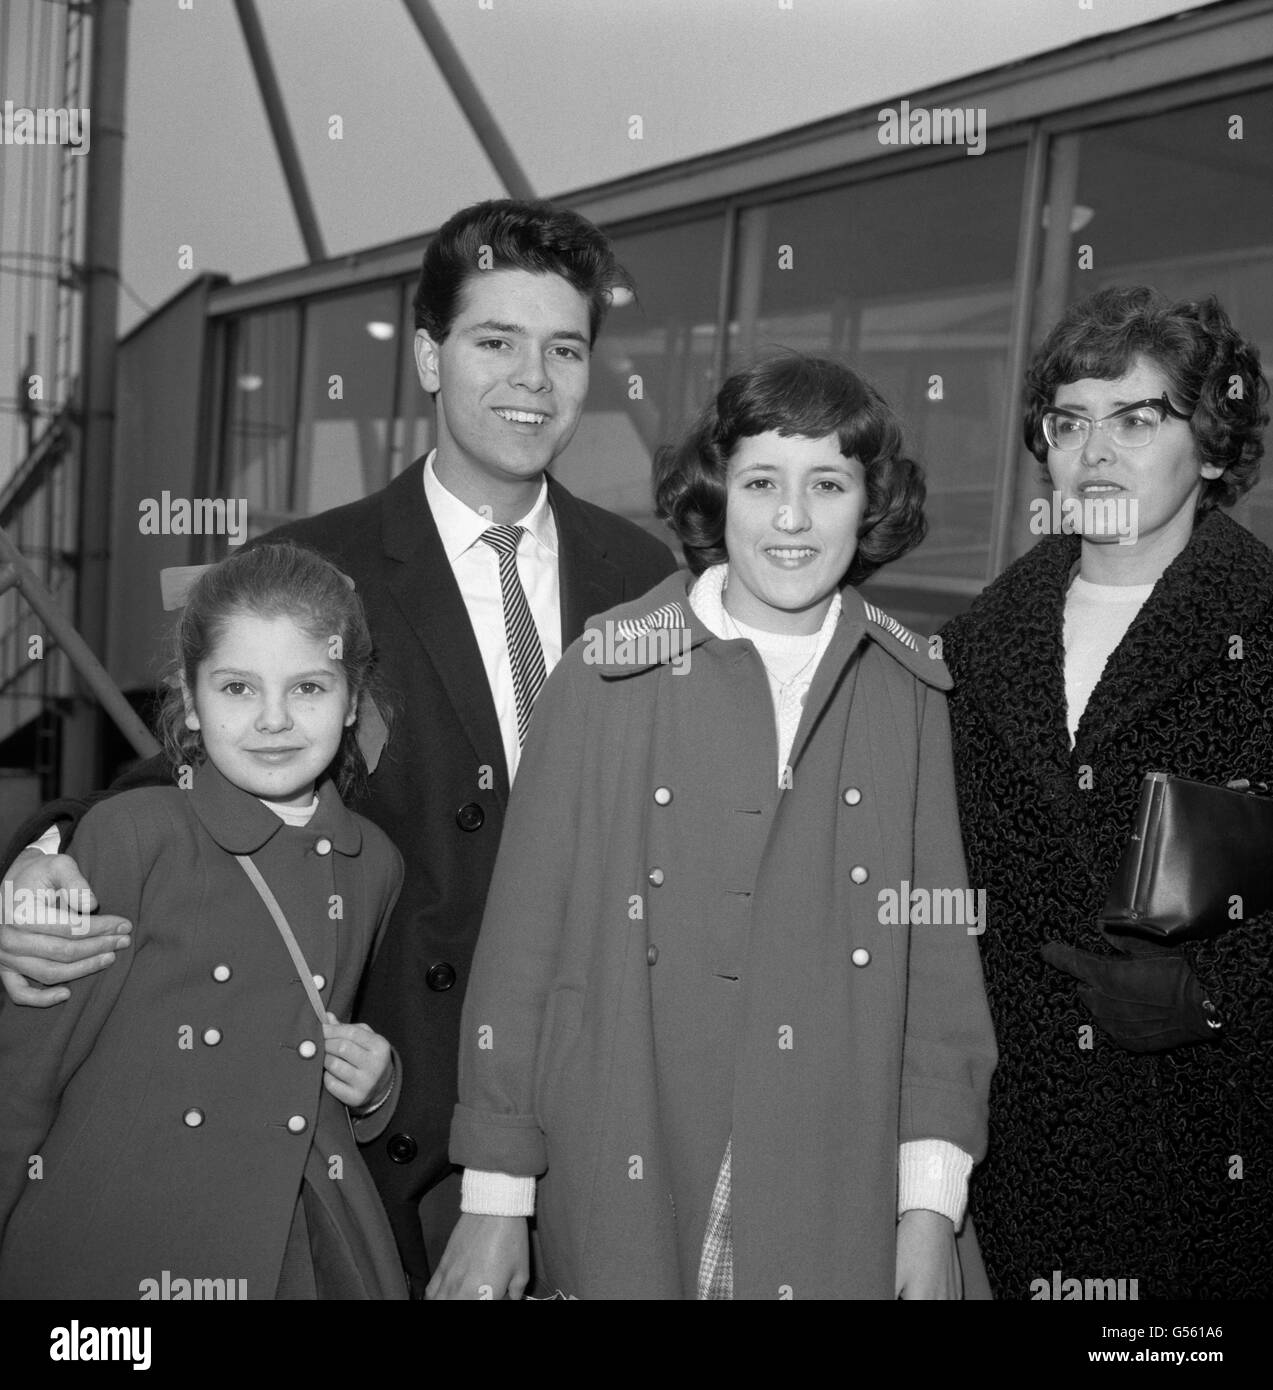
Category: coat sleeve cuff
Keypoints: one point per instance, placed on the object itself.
(50, 842)
(498, 1143)
(933, 1174)
(496, 1194)
(373, 1125)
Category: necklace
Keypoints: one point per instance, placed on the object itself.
(783, 685)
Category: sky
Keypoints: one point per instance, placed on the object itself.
(562, 77)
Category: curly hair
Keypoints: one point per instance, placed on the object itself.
(793, 394)
(1214, 373)
(533, 236)
(271, 580)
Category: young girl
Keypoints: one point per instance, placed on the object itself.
(696, 1015)
(181, 1127)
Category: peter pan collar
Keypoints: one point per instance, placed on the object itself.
(241, 823)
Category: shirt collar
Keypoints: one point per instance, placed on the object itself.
(460, 527)
(241, 823)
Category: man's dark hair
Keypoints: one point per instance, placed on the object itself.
(512, 235)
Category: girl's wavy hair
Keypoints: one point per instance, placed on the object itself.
(1212, 370)
(271, 580)
(793, 394)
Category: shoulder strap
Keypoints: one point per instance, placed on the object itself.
(289, 940)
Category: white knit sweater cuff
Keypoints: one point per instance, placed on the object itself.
(496, 1194)
(933, 1174)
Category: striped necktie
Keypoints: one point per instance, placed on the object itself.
(525, 654)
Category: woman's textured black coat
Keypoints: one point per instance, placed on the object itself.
(1104, 1164)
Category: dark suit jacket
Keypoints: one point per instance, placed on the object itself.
(430, 793)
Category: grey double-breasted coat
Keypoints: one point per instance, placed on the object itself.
(676, 949)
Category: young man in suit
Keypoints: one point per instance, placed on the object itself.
(477, 570)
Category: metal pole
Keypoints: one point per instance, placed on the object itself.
(465, 91)
(276, 113)
(16, 573)
(101, 317)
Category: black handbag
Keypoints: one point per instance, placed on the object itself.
(1197, 862)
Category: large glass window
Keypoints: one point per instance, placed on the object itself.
(261, 413)
(652, 367)
(350, 361)
(908, 278)
(1183, 201)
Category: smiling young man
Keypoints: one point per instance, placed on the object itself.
(476, 570)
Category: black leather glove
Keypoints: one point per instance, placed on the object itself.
(1146, 998)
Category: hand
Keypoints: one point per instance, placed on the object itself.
(487, 1257)
(357, 1062)
(1146, 998)
(927, 1262)
(53, 948)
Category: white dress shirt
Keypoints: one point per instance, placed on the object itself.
(476, 567)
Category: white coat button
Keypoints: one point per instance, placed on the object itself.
(652, 955)
(858, 874)
(323, 846)
(297, 1124)
(320, 982)
(852, 796)
(221, 973)
(662, 795)
(193, 1117)
(656, 877)
(212, 1036)
(307, 1048)
(861, 957)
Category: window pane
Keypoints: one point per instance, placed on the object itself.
(1176, 202)
(651, 368)
(347, 389)
(260, 406)
(908, 277)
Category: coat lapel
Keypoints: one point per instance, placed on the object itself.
(423, 585)
(1214, 590)
(1023, 700)
(589, 582)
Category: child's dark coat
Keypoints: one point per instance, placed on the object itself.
(158, 1098)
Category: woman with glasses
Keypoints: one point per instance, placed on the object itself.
(1131, 1130)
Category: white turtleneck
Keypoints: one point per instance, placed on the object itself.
(790, 659)
(1097, 617)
